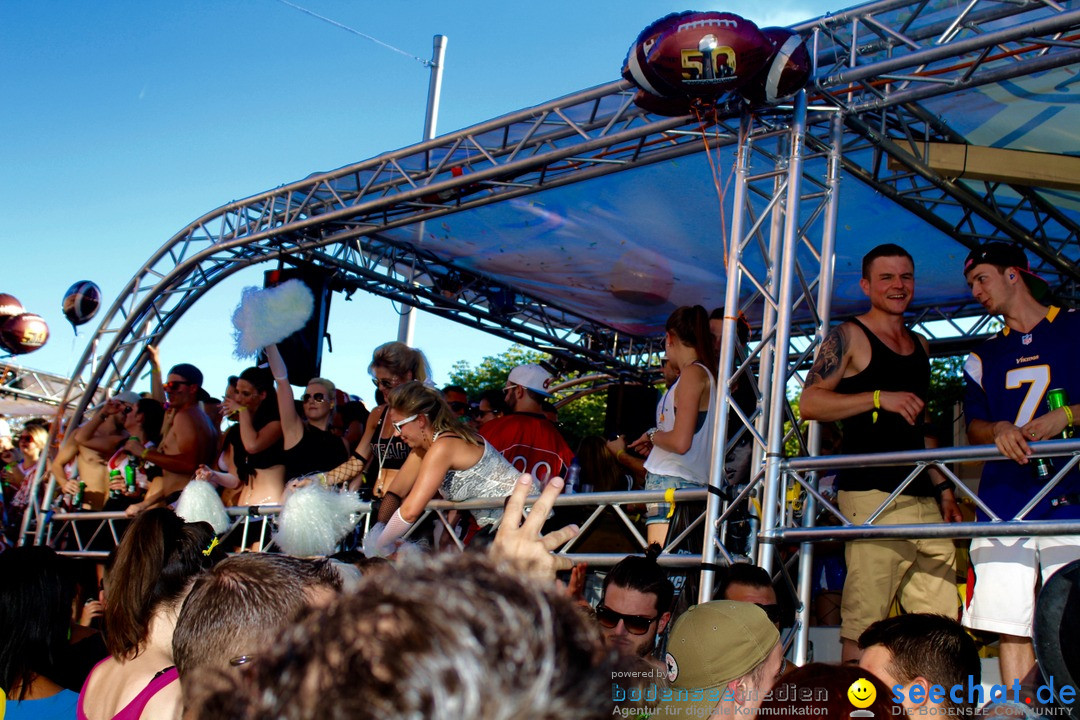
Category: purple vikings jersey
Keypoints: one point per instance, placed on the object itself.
(1008, 378)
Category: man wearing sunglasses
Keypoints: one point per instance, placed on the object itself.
(527, 439)
(457, 399)
(634, 605)
(188, 439)
(745, 582)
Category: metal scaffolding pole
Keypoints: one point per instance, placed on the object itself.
(782, 336)
(727, 359)
(824, 306)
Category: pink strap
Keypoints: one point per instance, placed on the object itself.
(133, 710)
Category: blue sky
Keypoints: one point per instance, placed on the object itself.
(124, 121)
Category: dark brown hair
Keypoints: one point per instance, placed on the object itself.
(598, 466)
(925, 645)
(690, 324)
(152, 566)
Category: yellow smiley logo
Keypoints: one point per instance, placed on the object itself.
(862, 693)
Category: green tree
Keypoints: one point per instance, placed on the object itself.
(492, 370)
(581, 417)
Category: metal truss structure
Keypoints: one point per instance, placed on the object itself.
(875, 63)
(867, 114)
(35, 385)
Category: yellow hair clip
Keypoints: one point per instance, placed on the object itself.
(210, 548)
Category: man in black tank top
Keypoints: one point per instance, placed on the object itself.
(872, 375)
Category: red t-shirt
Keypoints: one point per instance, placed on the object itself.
(531, 443)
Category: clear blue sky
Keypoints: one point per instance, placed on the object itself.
(124, 121)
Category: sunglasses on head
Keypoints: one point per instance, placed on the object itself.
(174, 384)
(317, 397)
(634, 624)
(773, 611)
(402, 423)
(387, 383)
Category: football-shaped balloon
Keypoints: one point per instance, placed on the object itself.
(9, 306)
(23, 333)
(667, 106)
(81, 302)
(787, 71)
(697, 54)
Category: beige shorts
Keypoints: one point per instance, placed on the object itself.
(921, 574)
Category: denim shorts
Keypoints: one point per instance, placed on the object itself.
(658, 512)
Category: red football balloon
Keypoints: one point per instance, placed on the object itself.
(787, 71)
(667, 106)
(9, 306)
(23, 333)
(696, 54)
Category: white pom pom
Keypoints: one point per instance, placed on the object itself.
(314, 520)
(269, 315)
(371, 540)
(200, 503)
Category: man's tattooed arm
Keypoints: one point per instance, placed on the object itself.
(829, 357)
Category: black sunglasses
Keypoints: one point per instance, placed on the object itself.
(772, 611)
(458, 406)
(317, 397)
(634, 624)
(173, 384)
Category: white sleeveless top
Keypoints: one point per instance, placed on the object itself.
(693, 465)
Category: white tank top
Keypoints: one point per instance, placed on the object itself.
(693, 465)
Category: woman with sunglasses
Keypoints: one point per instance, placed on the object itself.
(309, 444)
(257, 448)
(18, 474)
(381, 453)
(448, 457)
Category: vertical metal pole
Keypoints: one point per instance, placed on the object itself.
(824, 301)
(727, 355)
(770, 351)
(407, 321)
(778, 398)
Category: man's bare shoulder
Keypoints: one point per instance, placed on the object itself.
(191, 420)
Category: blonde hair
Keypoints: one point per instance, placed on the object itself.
(330, 388)
(400, 359)
(415, 398)
(39, 432)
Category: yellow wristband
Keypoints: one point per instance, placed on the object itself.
(142, 455)
(1068, 414)
(877, 405)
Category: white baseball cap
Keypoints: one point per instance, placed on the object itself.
(532, 377)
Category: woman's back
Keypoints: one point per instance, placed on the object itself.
(118, 690)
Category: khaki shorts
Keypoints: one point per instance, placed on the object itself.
(921, 574)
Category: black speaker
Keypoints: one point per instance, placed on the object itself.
(302, 351)
(631, 410)
(1057, 637)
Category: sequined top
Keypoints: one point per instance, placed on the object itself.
(491, 476)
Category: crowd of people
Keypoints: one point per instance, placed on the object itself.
(187, 630)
